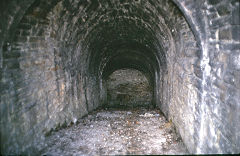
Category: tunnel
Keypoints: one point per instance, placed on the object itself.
(61, 59)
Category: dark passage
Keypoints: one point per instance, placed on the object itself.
(61, 60)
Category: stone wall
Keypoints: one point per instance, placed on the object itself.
(128, 88)
(216, 25)
(44, 84)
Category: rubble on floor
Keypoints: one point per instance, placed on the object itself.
(117, 132)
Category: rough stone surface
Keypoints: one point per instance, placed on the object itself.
(55, 57)
(128, 88)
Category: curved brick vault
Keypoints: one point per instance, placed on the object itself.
(55, 56)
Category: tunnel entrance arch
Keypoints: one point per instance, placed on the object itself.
(74, 36)
(48, 48)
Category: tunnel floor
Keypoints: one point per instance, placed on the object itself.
(117, 132)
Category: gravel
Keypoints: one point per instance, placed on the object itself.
(117, 132)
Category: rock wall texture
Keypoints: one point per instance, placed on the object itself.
(55, 57)
(216, 24)
(128, 88)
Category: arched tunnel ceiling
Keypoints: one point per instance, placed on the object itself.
(54, 55)
(101, 28)
(129, 59)
(125, 25)
(133, 53)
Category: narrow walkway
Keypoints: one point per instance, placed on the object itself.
(117, 132)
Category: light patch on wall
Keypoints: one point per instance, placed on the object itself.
(62, 86)
(192, 100)
(236, 61)
(203, 118)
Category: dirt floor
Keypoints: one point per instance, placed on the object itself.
(117, 132)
